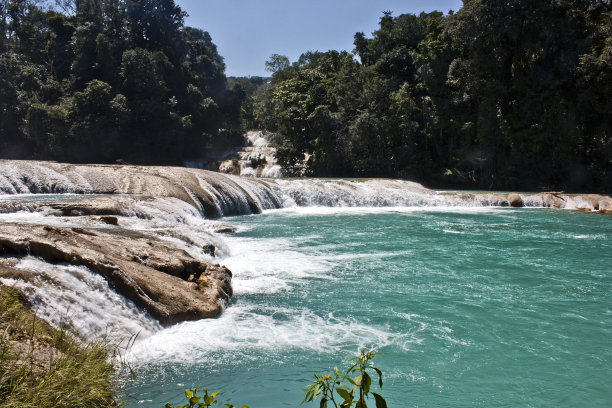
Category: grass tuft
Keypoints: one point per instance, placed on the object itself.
(41, 366)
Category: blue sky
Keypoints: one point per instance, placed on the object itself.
(247, 32)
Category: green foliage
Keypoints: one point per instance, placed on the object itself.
(512, 95)
(245, 90)
(110, 79)
(44, 367)
(353, 386)
(206, 400)
(277, 63)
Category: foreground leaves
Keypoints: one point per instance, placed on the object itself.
(353, 387)
(194, 401)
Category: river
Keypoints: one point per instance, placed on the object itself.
(470, 306)
(472, 302)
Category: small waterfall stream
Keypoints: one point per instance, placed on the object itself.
(257, 159)
(77, 296)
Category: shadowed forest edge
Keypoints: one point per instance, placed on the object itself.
(511, 95)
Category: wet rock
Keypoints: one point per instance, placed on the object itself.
(224, 228)
(515, 200)
(552, 200)
(230, 167)
(209, 249)
(109, 219)
(153, 275)
(79, 230)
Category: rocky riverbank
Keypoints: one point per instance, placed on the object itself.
(165, 281)
(42, 366)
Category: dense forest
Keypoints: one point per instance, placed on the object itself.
(499, 95)
(102, 80)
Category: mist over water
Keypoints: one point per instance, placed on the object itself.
(471, 306)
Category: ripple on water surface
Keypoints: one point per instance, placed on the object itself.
(495, 307)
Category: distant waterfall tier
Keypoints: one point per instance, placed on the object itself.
(215, 195)
(256, 159)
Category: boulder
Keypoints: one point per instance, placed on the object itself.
(109, 219)
(167, 282)
(224, 228)
(552, 200)
(230, 167)
(209, 249)
(515, 200)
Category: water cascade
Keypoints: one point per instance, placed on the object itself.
(70, 231)
(64, 294)
(215, 194)
(257, 159)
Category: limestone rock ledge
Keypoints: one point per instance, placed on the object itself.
(167, 282)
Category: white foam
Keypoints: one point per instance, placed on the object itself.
(366, 210)
(190, 235)
(369, 193)
(248, 328)
(272, 171)
(37, 178)
(269, 265)
(39, 217)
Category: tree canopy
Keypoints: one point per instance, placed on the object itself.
(102, 80)
(500, 95)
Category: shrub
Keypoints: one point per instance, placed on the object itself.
(193, 401)
(353, 387)
(44, 367)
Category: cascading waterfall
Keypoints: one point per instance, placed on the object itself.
(76, 296)
(175, 204)
(259, 152)
(276, 282)
(232, 195)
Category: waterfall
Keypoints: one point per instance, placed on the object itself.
(74, 295)
(368, 193)
(178, 207)
(257, 159)
(216, 194)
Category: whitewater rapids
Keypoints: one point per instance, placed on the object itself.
(179, 209)
(215, 195)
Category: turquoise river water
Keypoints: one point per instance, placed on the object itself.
(487, 307)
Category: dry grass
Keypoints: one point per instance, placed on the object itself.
(44, 367)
